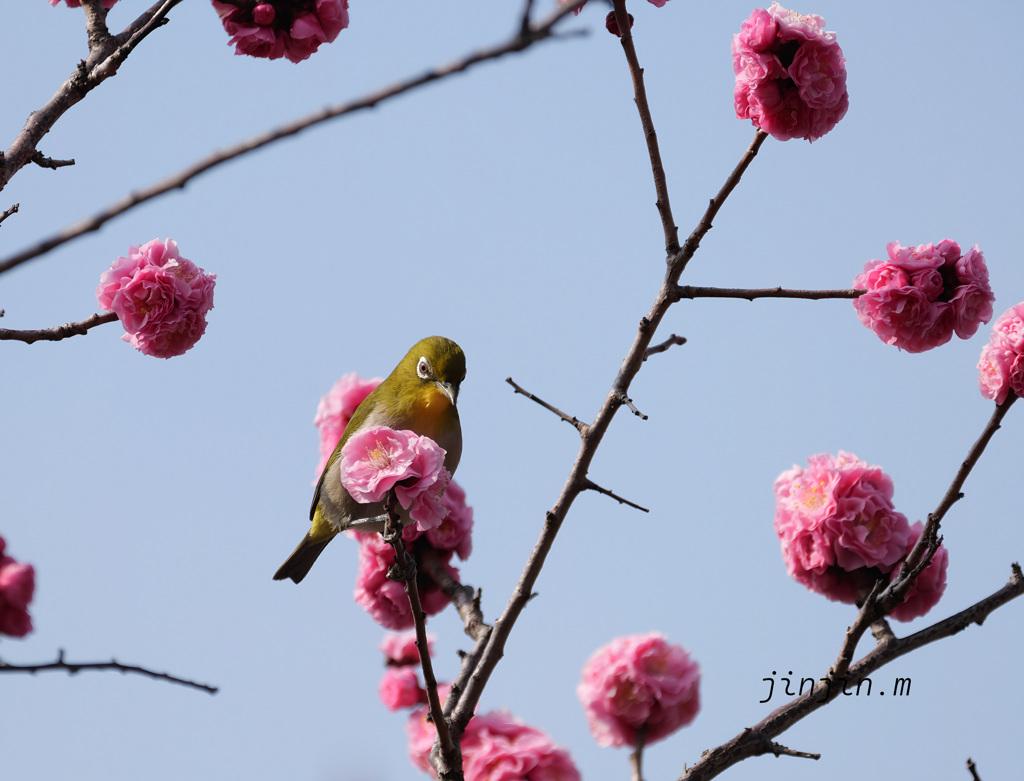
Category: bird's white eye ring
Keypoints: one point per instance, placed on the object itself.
(423, 368)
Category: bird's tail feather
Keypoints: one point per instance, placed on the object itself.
(302, 558)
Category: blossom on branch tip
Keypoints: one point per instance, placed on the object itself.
(639, 684)
(928, 587)
(377, 459)
(336, 409)
(837, 525)
(161, 298)
(281, 28)
(921, 295)
(1001, 366)
(17, 586)
(790, 74)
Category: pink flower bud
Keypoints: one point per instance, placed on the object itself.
(400, 688)
(17, 586)
(611, 24)
(263, 14)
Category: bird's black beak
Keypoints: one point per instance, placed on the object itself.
(449, 390)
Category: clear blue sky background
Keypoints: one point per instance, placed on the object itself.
(511, 209)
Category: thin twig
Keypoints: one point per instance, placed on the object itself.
(636, 758)
(973, 770)
(660, 348)
(912, 564)
(578, 424)
(113, 664)
(592, 486)
(404, 569)
(48, 162)
(640, 98)
(517, 43)
(105, 56)
(9, 212)
(756, 740)
(691, 291)
(628, 402)
(58, 332)
(779, 750)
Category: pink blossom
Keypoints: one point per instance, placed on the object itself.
(377, 459)
(385, 600)
(161, 298)
(837, 525)
(400, 648)
(1001, 367)
(78, 3)
(921, 295)
(639, 682)
(928, 587)
(400, 688)
(282, 28)
(790, 74)
(335, 410)
(496, 747)
(455, 532)
(17, 586)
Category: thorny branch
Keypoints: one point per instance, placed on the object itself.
(113, 664)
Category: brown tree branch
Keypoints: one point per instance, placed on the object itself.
(691, 291)
(660, 348)
(48, 162)
(466, 601)
(517, 43)
(756, 740)
(58, 332)
(113, 664)
(106, 53)
(592, 486)
(591, 436)
(8, 212)
(575, 422)
(636, 758)
(973, 770)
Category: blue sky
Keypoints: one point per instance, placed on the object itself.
(511, 209)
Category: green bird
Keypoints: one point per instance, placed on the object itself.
(420, 395)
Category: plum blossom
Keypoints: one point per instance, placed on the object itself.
(281, 28)
(837, 525)
(335, 410)
(400, 648)
(790, 74)
(928, 587)
(17, 585)
(384, 599)
(1001, 367)
(161, 298)
(377, 459)
(921, 295)
(400, 688)
(496, 747)
(635, 683)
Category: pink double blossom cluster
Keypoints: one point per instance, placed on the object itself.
(378, 459)
(495, 747)
(400, 687)
(840, 532)
(161, 298)
(790, 74)
(281, 28)
(335, 410)
(639, 684)
(921, 295)
(1001, 367)
(384, 599)
(17, 585)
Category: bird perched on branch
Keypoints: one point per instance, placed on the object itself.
(420, 395)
